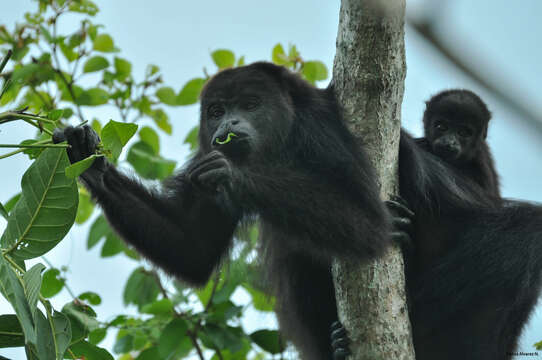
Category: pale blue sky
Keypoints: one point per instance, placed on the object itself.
(501, 39)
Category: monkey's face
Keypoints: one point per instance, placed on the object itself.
(244, 113)
(454, 140)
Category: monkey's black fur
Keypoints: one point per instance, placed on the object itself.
(475, 273)
(291, 161)
(455, 123)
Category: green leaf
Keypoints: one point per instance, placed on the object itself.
(116, 134)
(278, 55)
(223, 58)
(46, 210)
(85, 207)
(55, 114)
(123, 344)
(62, 333)
(162, 306)
(104, 43)
(166, 95)
(314, 71)
(92, 97)
(260, 300)
(96, 336)
(81, 315)
(10, 204)
(91, 297)
(151, 70)
(150, 166)
(83, 349)
(224, 337)
(174, 339)
(162, 121)
(84, 6)
(3, 211)
(112, 246)
(12, 289)
(192, 138)
(241, 61)
(189, 94)
(77, 168)
(32, 285)
(45, 347)
(123, 68)
(11, 333)
(52, 283)
(95, 63)
(269, 340)
(99, 229)
(150, 137)
(149, 354)
(141, 288)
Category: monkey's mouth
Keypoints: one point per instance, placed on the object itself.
(447, 153)
(232, 144)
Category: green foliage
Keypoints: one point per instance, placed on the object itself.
(115, 135)
(46, 210)
(172, 321)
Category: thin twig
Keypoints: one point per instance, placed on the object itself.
(5, 60)
(32, 146)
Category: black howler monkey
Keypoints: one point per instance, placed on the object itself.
(271, 145)
(475, 270)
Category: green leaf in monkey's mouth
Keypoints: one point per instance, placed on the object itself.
(226, 140)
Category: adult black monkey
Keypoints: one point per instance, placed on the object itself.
(270, 145)
(455, 123)
(475, 272)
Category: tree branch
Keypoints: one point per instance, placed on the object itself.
(368, 77)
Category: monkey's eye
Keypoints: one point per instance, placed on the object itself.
(441, 127)
(465, 132)
(215, 111)
(251, 103)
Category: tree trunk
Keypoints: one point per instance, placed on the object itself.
(368, 75)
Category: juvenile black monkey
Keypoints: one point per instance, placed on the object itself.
(271, 145)
(455, 123)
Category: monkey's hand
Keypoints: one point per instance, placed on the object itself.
(212, 173)
(402, 218)
(339, 341)
(83, 142)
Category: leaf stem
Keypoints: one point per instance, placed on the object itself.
(46, 141)
(31, 146)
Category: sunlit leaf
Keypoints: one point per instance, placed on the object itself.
(116, 134)
(223, 58)
(77, 168)
(85, 207)
(123, 68)
(167, 96)
(95, 63)
(150, 137)
(314, 71)
(103, 43)
(189, 94)
(52, 283)
(92, 97)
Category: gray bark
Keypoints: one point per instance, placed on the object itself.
(368, 75)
